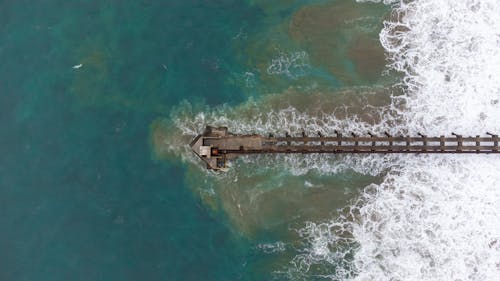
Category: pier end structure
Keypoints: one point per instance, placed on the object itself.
(216, 145)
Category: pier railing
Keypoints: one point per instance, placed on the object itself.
(216, 145)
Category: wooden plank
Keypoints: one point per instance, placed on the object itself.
(224, 145)
(379, 149)
(363, 152)
(383, 139)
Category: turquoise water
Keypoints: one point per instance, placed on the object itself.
(81, 196)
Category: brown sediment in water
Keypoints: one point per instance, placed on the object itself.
(340, 37)
(164, 135)
(343, 29)
(257, 200)
(363, 103)
(367, 56)
(262, 194)
(88, 84)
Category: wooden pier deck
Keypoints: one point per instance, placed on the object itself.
(216, 145)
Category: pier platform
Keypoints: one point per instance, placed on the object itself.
(216, 146)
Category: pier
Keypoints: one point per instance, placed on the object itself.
(216, 146)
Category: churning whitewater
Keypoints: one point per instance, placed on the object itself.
(435, 217)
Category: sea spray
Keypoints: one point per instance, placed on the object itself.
(267, 192)
(355, 110)
(433, 217)
(449, 52)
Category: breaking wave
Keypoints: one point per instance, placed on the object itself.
(274, 115)
(433, 217)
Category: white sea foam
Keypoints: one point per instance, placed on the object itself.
(292, 64)
(272, 248)
(433, 220)
(433, 217)
(259, 119)
(450, 54)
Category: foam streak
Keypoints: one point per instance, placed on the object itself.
(433, 217)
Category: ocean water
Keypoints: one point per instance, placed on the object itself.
(81, 196)
(97, 181)
(393, 217)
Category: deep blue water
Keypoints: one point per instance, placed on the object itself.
(80, 196)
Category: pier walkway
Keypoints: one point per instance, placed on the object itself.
(216, 145)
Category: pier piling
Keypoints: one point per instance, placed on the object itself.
(216, 145)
